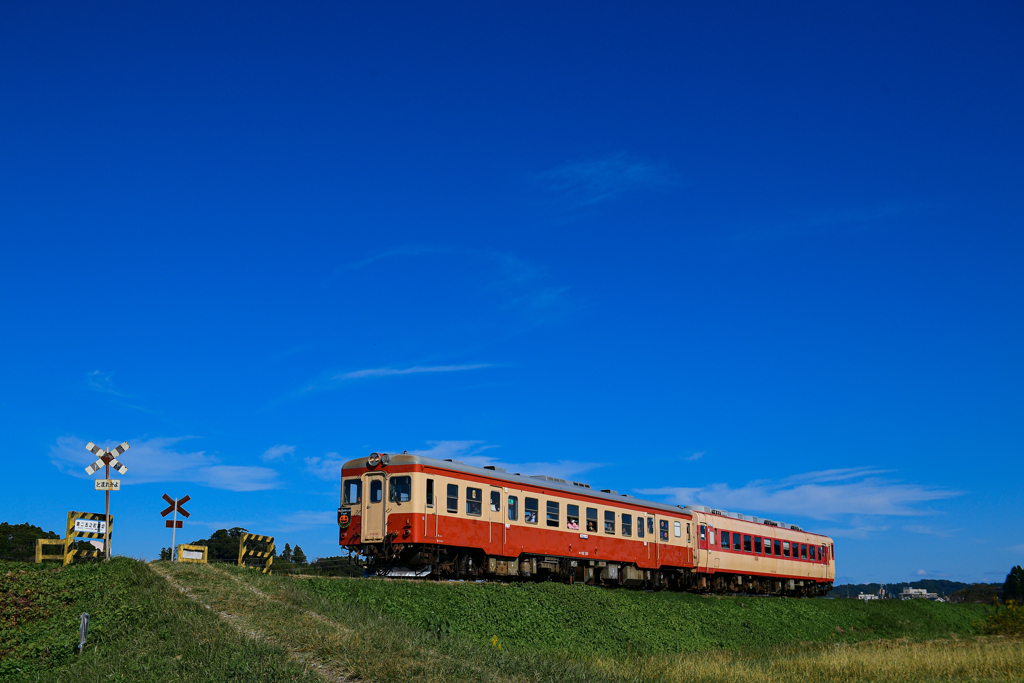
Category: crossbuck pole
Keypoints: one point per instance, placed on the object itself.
(174, 530)
(106, 532)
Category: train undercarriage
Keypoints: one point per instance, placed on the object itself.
(397, 560)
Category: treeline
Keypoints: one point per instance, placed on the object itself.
(954, 591)
(222, 546)
(18, 542)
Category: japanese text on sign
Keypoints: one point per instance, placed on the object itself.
(90, 526)
(108, 484)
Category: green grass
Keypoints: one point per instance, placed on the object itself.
(553, 617)
(141, 629)
(238, 625)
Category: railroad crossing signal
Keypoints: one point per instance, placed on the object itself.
(107, 459)
(176, 506)
(174, 524)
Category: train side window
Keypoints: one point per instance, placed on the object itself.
(399, 489)
(663, 529)
(725, 539)
(592, 519)
(609, 522)
(495, 501)
(778, 548)
(688, 539)
(736, 540)
(757, 544)
(767, 546)
(552, 513)
(376, 491)
(513, 508)
(531, 510)
(823, 554)
(353, 491)
(474, 501)
(430, 493)
(677, 527)
(453, 498)
(572, 517)
(803, 552)
(639, 526)
(785, 548)
(810, 552)
(650, 525)
(746, 543)
(627, 524)
(703, 533)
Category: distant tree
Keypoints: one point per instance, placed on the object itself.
(165, 553)
(286, 554)
(298, 557)
(18, 541)
(1013, 589)
(222, 544)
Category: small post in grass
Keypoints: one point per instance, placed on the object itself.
(83, 631)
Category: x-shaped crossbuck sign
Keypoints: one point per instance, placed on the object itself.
(175, 504)
(106, 457)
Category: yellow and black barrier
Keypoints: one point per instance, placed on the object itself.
(192, 553)
(41, 542)
(264, 558)
(87, 525)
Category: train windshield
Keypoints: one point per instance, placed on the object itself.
(353, 489)
(400, 489)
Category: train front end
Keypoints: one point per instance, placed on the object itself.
(376, 517)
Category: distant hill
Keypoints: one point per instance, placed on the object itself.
(971, 592)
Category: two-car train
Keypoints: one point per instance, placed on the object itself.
(415, 516)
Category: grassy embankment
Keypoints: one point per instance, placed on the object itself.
(582, 619)
(141, 629)
(238, 625)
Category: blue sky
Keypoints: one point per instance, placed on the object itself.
(762, 258)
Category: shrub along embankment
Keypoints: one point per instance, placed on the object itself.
(583, 619)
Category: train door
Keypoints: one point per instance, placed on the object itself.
(496, 525)
(373, 508)
(430, 510)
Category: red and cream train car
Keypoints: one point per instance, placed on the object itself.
(417, 516)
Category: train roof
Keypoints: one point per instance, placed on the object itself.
(578, 488)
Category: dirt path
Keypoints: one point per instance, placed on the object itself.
(306, 636)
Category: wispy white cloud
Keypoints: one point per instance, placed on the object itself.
(414, 370)
(829, 221)
(932, 573)
(327, 468)
(695, 456)
(277, 452)
(592, 181)
(858, 532)
(102, 382)
(472, 453)
(157, 460)
(827, 494)
(942, 532)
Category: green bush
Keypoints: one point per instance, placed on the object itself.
(1008, 621)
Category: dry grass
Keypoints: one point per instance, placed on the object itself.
(975, 659)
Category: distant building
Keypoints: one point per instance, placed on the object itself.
(867, 596)
(912, 593)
